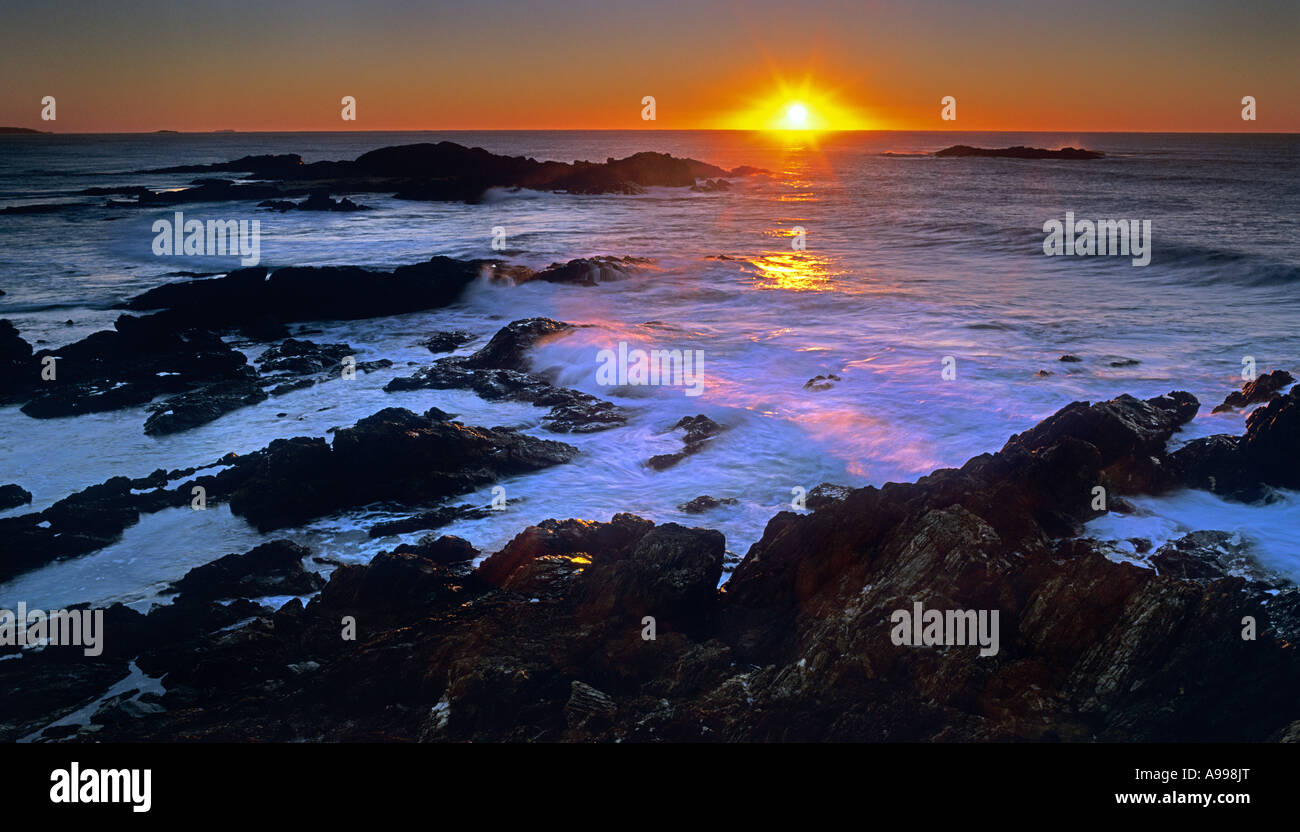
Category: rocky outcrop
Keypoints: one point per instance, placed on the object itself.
(307, 293)
(1263, 389)
(1019, 152)
(617, 632)
(394, 455)
(500, 370)
(273, 568)
(14, 495)
(1247, 467)
(698, 431)
(441, 171)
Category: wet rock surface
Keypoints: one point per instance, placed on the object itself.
(698, 431)
(1263, 389)
(501, 370)
(14, 495)
(578, 630)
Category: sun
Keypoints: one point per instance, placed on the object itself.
(796, 116)
(804, 106)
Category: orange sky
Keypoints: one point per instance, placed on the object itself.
(495, 64)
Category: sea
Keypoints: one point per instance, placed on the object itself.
(920, 282)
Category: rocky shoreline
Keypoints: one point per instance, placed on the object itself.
(618, 631)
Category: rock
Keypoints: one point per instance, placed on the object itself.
(273, 568)
(447, 341)
(587, 271)
(441, 171)
(825, 382)
(1246, 467)
(1262, 389)
(555, 537)
(190, 410)
(393, 455)
(799, 647)
(1070, 359)
(1020, 152)
(13, 495)
(301, 357)
(711, 186)
(129, 366)
(699, 430)
(671, 574)
(318, 201)
(17, 369)
(428, 520)
(1125, 362)
(587, 705)
(441, 549)
(704, 502)
(499, 371)
(1211, 555)
(304, 293)
(508, 348)
(826, 494)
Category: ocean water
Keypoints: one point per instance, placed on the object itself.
(909, 260)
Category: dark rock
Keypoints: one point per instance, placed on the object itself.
(303, 293)
(498, 371)
(1245, 467)
(300, 357)
(14, 495)
(441, 549)
(273, 568)
(1210, 555)
(393, 455)
(1262, 389)
(699, 430)
(428, 520)
(704, 502)
(442, 171)
(825, 382)
(1071, 359)
(1020, 152)
(826, 494)
(190, 410)
(588, 707)
(587, 271)
(129, 366)
(447, 341)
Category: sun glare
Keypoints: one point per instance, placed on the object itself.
(798, 106)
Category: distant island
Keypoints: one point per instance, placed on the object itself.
(20, 130)
(1021, 152)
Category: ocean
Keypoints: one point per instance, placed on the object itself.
(912, 265)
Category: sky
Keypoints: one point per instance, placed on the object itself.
(1086, 65)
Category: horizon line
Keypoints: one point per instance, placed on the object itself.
(168, 131)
